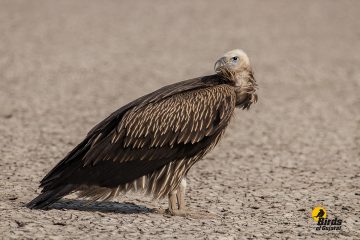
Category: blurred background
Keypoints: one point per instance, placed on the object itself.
(66, 65)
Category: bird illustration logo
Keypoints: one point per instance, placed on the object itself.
(318, 212)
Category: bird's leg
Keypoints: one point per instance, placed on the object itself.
(177, 200)
(172, 202)
(179, 209)
(181, 195)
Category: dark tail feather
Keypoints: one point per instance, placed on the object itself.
(48, 197)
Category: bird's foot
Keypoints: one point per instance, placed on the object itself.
(178, 212)
(175, 212)
(172, 212)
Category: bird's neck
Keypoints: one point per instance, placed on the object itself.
(245, 79)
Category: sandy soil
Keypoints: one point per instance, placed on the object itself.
(65, 66)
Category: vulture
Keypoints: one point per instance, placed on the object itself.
(151, 143)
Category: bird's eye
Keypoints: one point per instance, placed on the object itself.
(234, 59)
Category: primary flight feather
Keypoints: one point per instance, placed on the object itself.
(151, 143)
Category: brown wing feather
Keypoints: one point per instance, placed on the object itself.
(147, 134)
(185, 118)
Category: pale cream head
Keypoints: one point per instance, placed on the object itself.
(234, 61)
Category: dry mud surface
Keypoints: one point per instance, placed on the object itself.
(65, 65)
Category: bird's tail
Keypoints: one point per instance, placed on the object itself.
(48, 197)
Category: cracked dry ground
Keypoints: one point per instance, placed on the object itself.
(66, 65)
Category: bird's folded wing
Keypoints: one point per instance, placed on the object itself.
(154, 130)
(147, 134)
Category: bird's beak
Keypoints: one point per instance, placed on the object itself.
(219, 64)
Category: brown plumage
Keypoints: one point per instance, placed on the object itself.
(151, 143)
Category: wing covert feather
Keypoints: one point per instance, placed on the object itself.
(185, 118)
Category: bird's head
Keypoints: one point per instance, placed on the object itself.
(235, 66)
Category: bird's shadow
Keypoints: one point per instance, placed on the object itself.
(105, 207)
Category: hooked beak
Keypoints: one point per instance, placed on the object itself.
(219, 64)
